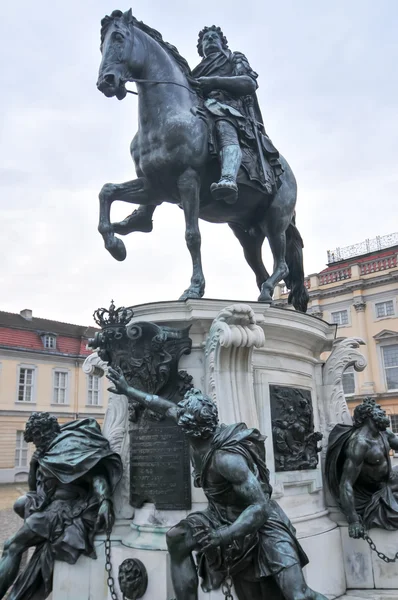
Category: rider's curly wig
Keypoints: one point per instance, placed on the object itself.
(197, 414)
(223, 39)
(41, 421)
(368, 409)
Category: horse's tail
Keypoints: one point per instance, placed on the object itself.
(298, 295)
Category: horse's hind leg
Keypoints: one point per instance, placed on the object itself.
(275, 229)
(252, 250)
(135, 192)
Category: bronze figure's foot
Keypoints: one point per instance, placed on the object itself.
(225, 190)
(137, 221)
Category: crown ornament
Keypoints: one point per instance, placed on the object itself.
(112, 316)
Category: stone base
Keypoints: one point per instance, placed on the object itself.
(370, 595)
(364, 570)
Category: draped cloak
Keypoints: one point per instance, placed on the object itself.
(375, 503)
(223, 105)
(63, 509)
(264, 553)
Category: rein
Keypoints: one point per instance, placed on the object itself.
(154, 82)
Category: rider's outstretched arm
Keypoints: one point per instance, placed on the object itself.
(156, 403)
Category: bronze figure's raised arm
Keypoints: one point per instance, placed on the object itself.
(201, 144)
(243, 534)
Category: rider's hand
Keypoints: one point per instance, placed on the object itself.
(206, 84)
(356, 530)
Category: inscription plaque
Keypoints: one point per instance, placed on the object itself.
(159, 466)
(294, 439)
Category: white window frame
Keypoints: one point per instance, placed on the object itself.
(52, 341)
(20, 447)
(382, 346)
(383, 301)
(341, 310)
(349, 370)
(32, 400)
(65, 372)
(392, 429)
(90, 390)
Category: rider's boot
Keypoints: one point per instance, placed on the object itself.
(226, 189)
(139, 220)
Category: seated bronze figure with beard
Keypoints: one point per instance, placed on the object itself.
(359, 471)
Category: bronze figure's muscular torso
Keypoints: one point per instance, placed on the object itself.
(359, 471)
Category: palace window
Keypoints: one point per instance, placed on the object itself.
(60, 387)
(25, 384)
(384, 309)
(340, 317)
(21, 451)
(394, 423)
(390, 359)
(349, 381)
(93, 390)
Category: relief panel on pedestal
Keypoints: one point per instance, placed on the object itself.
(294, 440)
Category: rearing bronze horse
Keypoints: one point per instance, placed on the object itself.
(173, 164)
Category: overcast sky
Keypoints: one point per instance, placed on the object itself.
(328, 92)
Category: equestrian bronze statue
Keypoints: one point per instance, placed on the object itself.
(201, 144)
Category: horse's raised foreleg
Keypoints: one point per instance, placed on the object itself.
(135, 192)
(252, 250)
(189, 187)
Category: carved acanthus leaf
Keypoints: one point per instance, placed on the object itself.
(345, 353)
(116, 421)
(232, 338)
(94, 365)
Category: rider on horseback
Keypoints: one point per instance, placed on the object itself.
(229, 85)
(237, 133)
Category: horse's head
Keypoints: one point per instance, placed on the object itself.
(119, 62)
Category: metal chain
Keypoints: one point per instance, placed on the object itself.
(226, 587)
(381, 555)
(227, 584)
(108, 567)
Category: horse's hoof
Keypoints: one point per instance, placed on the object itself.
(190, 294)
(265, 297)
(117, 249)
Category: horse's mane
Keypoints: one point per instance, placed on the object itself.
(153, 33)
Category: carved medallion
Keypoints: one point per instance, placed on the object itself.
(133, 578)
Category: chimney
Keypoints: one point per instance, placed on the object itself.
(26, 313)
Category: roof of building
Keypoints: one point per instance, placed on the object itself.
(24, 333)
(361, 258)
